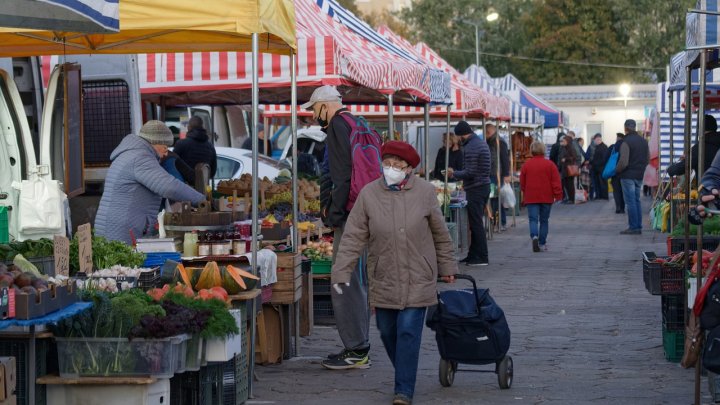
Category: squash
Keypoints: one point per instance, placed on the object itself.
(236, 280)
(209, 277)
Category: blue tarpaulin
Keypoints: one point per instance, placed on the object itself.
(89, 16)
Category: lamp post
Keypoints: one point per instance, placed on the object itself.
(490, 17)
(625, 92)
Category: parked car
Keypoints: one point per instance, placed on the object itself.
(233, 163)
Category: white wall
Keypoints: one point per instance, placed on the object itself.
(611, 117)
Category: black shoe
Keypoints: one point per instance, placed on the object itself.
(536, 244)
(465, 260)
(348, 359)
(619, 211)
(631, 232)
(476, 262)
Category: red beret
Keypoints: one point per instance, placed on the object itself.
(403, 150)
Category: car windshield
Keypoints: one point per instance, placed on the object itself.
(268, 161)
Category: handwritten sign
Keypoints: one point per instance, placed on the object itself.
(61, 247)
(85, 244)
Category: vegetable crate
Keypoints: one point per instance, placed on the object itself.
(673, 312)
(44, 264)
(321, 266)
(235, 377)
(677, 244)
(19, 348)
(673, 344)
(664, 278)
(204, 387)
(323, 312)
(4, 226)
(321, 287)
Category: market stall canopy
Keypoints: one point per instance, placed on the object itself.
(701, 32)
(520, 114)
(517, 91)
(61, 15)
(328, 53)
(169, 26)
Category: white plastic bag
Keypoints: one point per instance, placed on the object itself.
(41, 206)
(580, 195)
(508, 196)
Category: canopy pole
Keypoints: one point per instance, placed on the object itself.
(293, 130)
(672, 158)
(498, 195)
(688, 166)
(701, 169)
(254, 248)
(446, 200)
(512, 171)
(391, 120)
(426, 111)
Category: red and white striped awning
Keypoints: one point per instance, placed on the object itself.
(328, 53)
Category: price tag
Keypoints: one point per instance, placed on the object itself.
(61, 247)
(85, 244)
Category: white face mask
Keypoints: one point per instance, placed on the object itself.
(393, 176)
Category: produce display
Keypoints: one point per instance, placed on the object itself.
(114, 279)
(308, 189)
(28, 248)
(22, 278)
(229, 278)
(322, 250)
(106, 254)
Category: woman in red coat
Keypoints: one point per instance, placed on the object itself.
(540, 186)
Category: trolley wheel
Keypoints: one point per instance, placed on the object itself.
(447, 372)
(505, 372)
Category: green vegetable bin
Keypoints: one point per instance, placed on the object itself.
(321, 266)
(4, 226)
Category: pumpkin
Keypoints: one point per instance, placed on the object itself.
(236, 280)
(209, 277)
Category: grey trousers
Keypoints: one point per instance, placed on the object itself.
(351, 308)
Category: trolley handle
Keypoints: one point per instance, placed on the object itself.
(470, 279)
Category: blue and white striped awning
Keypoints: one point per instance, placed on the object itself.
(701, 30)
(676, 81)
(520, 114)
(439, 80)
(518, 93)
(86, 16)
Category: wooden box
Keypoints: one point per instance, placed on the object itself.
(288, 261)
(286, 297)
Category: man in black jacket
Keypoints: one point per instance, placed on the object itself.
(597, 163)
(712, 146)
(350, 304)
(476, 182)
(196, 147)
(501, 177)
(634, 158)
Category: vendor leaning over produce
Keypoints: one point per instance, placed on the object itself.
(352, 313)
(136, 183)
(399, 220)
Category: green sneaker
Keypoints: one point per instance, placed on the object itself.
(348, 359)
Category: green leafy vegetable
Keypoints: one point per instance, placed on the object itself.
(220, 324)
(106, 254)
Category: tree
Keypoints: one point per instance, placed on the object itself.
(388, 19)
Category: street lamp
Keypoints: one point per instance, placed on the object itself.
(490, 17)
(625, 92)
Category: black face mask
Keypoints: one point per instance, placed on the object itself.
(323, 122)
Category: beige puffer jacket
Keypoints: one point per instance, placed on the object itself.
(408, 244)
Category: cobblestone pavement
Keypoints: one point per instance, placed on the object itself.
(584, 329)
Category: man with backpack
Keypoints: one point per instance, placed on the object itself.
(352, 159)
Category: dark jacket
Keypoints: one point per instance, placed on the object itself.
(247, 144)
(504, 159)
(337, 171)
(712, 146)
(599, 158)
(555, 151)
(134, 186)
(456, 162)
(634, 157)
(476, 164)
(196, 148)
(567, 156)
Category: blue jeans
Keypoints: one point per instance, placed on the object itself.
(631, 194)
(401, 332)
(539, 213)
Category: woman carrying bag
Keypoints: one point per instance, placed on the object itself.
(569, 168)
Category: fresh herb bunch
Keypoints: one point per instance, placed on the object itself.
(178, 319)
(220, 323)
(106, 254)
(29, 248)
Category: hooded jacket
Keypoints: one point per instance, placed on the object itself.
(407, 240)
(134, 186)
(712, 146)
(196, 148)
(476, 164)
(337, 171)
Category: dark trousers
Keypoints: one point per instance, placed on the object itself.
(617, 194)
(477, 198)
(601, 186)
(568, 184)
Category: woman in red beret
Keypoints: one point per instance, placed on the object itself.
(398, 218)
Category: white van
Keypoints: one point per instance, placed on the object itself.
(88, 106)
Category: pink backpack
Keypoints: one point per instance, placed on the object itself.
(365, 145)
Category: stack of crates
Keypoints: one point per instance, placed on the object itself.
(19, 348)
(323, 313)
(673, 326)
(4, 225)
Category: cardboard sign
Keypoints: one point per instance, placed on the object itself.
(61, 246)
(85, 243)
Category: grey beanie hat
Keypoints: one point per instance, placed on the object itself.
(157, 133)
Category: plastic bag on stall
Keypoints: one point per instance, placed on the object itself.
(508, 196)
(41, 206)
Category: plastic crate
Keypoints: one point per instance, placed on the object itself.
(321, 286)
(203, 387)
(19, 348)
(235, 378)
(673, 312)
(714, 386)
(321, 266)
(158, 258)
(673, 344)
(323, 313)
(677, 244)
(193, 357)
(4, 226)
(149, 279)
(96, 357)
(664, 278)
(45, 264)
